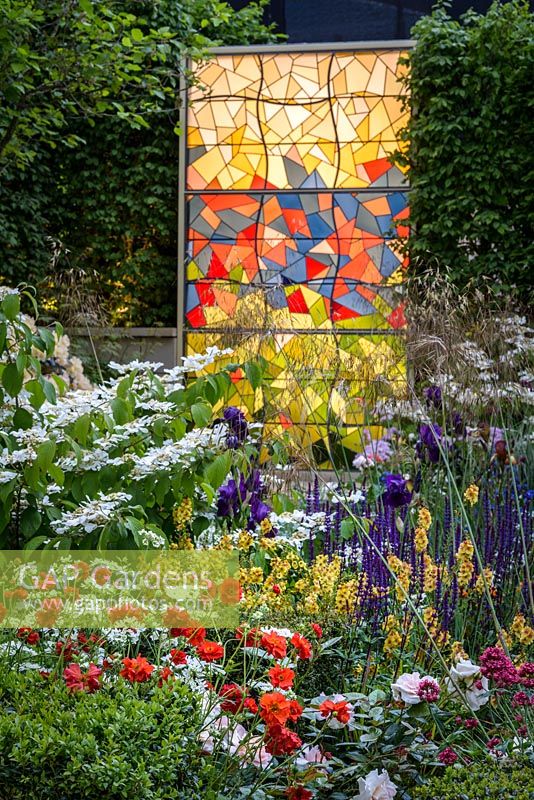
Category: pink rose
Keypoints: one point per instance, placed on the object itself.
(406, 688)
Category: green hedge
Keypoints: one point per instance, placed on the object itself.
(509, 780)
(111, 198)
(115, 744)
(470, 150)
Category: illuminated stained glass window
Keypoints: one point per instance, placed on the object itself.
(293, 210)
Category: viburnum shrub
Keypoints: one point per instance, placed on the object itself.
(136, 462)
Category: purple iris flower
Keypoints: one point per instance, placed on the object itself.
(235, 419)
(396, 492)
(458, 424)
(433, 396)
(228, 500)
(429, 442)
(233, 494)
(258, 510)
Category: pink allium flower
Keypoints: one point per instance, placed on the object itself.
(429, 689)
(526, 674)
(448, 756)
(493, 742)
(471, 723)
(520, 699)
(495, 664)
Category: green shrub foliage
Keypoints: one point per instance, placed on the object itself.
(509, 780)
(123, 741)
(91, 159)
(469, 144)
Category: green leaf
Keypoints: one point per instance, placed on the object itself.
(22, 419)
(121, 411)
(201, 413)
(11, 306)
(254, 374)
(45, 455)
(30, 521)
(12, 379)
(50, 391)
(347, 529)
(57, 474)
(80, 429)
(216, 472)
(35, 543)
(37, 395)
(136, 34)
(87, 6)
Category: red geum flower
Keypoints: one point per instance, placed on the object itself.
(18, 594)
(276, 588)
(193, 635)
(178, 656)
(66, 650)
(232, 697)
(127, 610)
(136, 670)
(165, 675)
(275, 708)
(30, 636)
(102, 575)
(77, 681)
(298, 793)
(229, 591)
(281, 677)
(176, 618)
(251, 705)
(280, 741)
(209, 651)
(92, 677)
(317, 630)
(295, 710)
(74, 678)
(302, 646)
(46, 617)
(274, 644)
(340, 709)
(250, 637)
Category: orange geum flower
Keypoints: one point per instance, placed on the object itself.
(275, 708)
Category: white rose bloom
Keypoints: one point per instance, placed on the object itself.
(477, 697)
(376, 786)
(464, 669)
(466, 683)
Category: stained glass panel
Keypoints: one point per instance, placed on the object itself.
(294, 211)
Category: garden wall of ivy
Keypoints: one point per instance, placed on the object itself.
(102, 186)
(470, 145)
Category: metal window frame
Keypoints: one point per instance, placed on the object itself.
(258, 49)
